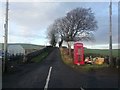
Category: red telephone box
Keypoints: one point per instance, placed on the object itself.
(78, 53)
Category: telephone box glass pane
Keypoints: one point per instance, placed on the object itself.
(79, 54)
(79, 51)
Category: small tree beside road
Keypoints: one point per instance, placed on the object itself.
(52, 35)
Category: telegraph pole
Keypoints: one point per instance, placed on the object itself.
(110, 35)
(6, 38)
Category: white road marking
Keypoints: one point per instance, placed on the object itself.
(82, 88)
(48, 78)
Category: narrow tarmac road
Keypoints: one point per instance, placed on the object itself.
(53, 73)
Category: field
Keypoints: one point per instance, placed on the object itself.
(104, 52)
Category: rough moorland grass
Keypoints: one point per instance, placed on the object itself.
(69, 61)
(40, 57)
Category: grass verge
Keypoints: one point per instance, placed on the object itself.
(40, 57)
(87, 67)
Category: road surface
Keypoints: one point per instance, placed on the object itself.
(53, 73)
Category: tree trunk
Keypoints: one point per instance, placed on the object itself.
(60, 43)
(69, 49)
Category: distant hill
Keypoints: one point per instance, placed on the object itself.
(24, 45)
(28, 46)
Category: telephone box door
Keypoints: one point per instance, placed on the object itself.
(78, 53)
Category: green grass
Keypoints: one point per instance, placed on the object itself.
(89, 67)
(40, 57)
(115, 52)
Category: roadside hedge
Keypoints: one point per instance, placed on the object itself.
(31, 55)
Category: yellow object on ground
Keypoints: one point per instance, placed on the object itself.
(99, 61)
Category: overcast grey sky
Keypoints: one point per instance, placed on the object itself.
(28, 21)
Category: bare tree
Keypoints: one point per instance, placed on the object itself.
(52, 35)
(58, 28)
(77, 25)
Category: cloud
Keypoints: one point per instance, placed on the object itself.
(28, 21)
(102, 34)
(35, 15)
(60, 0)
